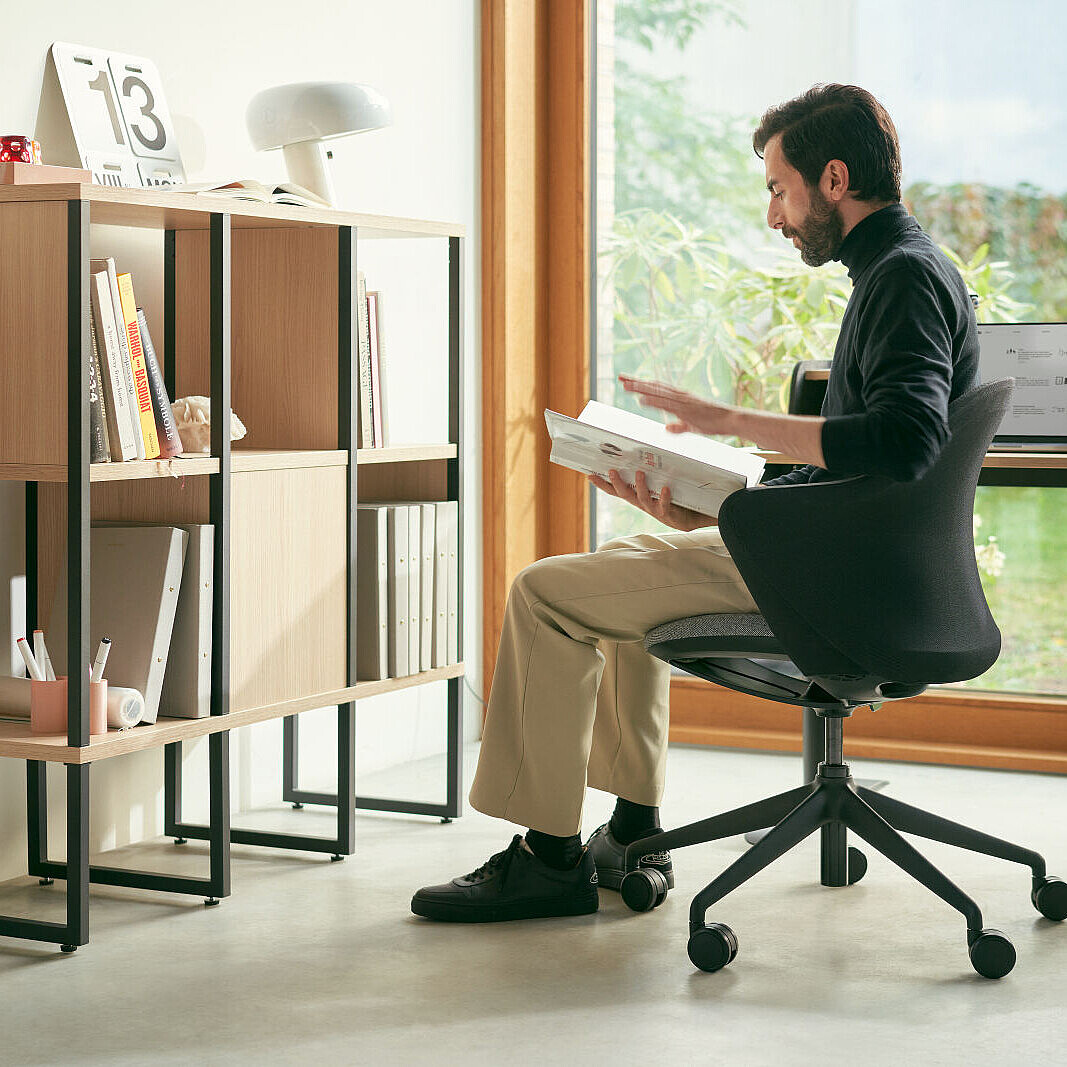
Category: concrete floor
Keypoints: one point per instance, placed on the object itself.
(317, 962)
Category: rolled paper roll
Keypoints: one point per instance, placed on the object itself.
(125, 707)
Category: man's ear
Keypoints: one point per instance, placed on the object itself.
(834, 182)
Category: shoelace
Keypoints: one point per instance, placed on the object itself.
(501, 861)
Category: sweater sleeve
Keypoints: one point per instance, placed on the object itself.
(905, 360)
(797, 476)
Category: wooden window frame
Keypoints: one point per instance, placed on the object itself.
(537, 239)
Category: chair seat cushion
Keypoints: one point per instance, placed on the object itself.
(696, 636)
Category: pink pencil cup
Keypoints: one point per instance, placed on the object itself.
(48, 707)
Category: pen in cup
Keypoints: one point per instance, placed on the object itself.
(40, 654)
(31, 663)
(101, 658)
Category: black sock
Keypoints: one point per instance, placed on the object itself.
(560, 853)
(630, 822)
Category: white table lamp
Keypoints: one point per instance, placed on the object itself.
(298, 118)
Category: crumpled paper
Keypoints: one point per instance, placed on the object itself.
(192, 416)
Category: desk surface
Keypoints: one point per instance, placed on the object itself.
(1011, 460)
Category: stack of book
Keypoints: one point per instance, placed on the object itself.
(130, 414)
(407, 573)
(373, 426)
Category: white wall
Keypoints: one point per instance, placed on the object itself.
(424, 56)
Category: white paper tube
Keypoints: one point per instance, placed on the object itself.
(125, 707)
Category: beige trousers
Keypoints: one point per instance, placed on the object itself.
(575, 699)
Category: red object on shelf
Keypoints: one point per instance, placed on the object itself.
(17, 148)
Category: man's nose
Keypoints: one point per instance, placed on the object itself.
(774, 216)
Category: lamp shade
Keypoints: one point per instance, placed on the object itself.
(314, 111)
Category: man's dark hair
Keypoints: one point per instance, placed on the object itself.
(837, 122)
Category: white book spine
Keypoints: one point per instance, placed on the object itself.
(372, 599)
(448, 511)
(133, 409)
(397, 527)
(414, 586)
(429, 516)
(116, 397)
(366, 417)
(440, 589)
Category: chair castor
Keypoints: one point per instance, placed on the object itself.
(712, 947)
(644, 889)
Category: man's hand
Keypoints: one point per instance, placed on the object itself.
(659, 507)
(798, 437)
(693, 414)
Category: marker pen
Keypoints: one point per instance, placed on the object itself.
(31, 663)
(101, 658)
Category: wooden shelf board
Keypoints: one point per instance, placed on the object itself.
(405, 453)
(155, 209)
(242, 459)
(18, 742)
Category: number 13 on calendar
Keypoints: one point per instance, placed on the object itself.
(119, 116)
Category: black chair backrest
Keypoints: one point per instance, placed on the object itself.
(806, 391)
(865, 577)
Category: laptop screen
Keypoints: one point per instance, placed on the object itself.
(1035, 355)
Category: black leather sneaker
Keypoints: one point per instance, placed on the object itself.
(608, 856)
(513, 884)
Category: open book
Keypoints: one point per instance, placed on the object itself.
(250, 189)
(701, 473)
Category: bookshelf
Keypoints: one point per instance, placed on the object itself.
(260, 315)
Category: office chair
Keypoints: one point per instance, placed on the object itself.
(878, 597)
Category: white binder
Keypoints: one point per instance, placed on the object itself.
(187, 683)
(372, 592)
(135, 575)
(414, 559)
(448, 526)
(429, 528)
(399, 608)
(186, 692)
(440, 589)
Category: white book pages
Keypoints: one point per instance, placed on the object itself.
(701, 472)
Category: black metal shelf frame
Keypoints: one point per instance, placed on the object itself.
(343, 843)
(76, 869)
(453, 806)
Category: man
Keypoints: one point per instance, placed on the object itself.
(576, 700)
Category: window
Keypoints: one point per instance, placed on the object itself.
(692, 287)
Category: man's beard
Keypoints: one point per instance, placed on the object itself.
(821, 232)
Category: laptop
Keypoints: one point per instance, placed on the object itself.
(1035, 355)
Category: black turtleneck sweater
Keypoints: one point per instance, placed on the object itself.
(908, 346)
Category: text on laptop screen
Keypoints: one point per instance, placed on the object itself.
(1035, 355)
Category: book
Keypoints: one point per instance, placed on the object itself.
(377, 428)
(116, 395)
(288, 193)
(426, 579)
(170, 442)
(397, 539)
(99, 446)
(366, 415)
(448, 540)
(135, 575)
(378, 371)
(414, 565)
(700, 472)
(186, 691)
(107, 265)
(143, 394)
(372, 601)
(439, 653)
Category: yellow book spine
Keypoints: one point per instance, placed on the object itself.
(140, 374)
